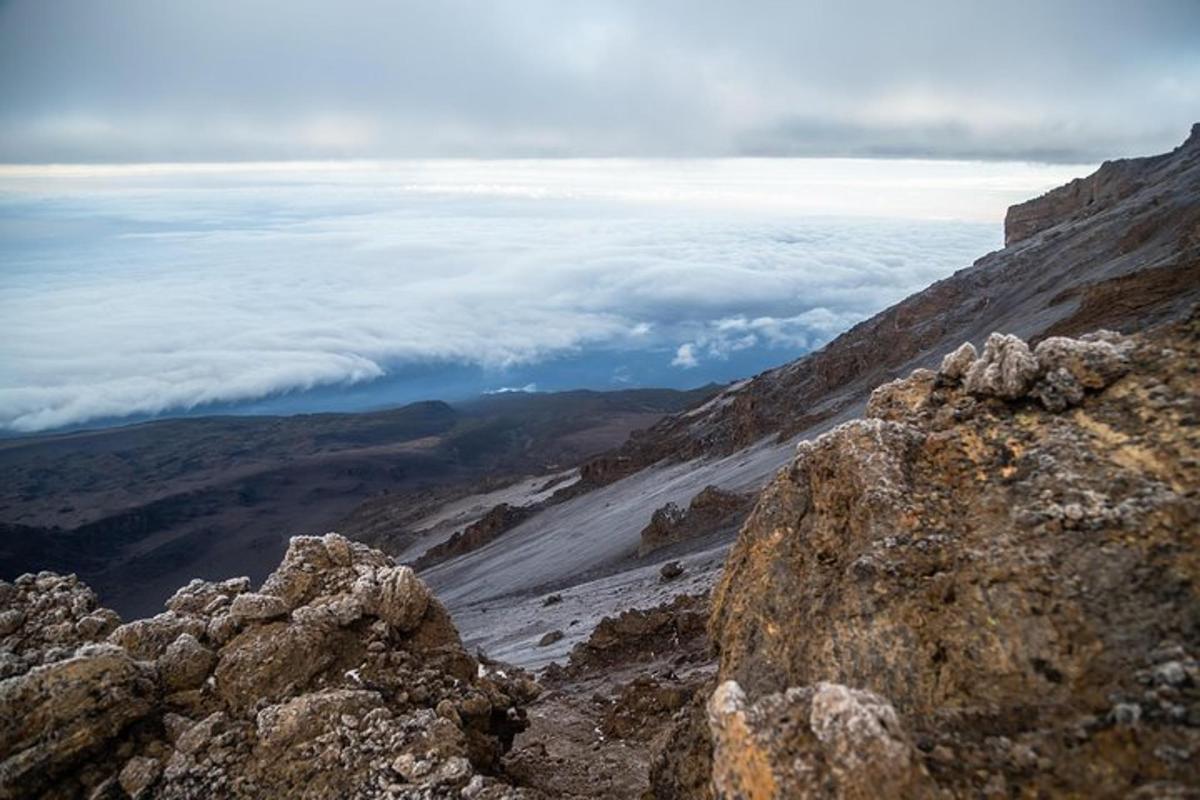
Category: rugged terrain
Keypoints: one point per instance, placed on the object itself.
(970, 569)
(986, 587)
(341, 677)
(994, 573)
(138, 510)
(1128, 259)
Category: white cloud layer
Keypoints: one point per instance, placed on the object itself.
(144, 290)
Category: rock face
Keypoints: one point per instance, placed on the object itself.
(986, 587)
(341, 677)
(498, 520)
(709, 511)
(1113, 182)
(849, 742)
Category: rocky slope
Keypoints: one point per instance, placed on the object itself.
(340, 677)
(486, 529)
(138, 510)
(1117, 249)
(987, 587)
(1128, 260)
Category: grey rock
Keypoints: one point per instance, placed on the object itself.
(1092, 362)
(550, 638)
(1007, 369)
(254, 607)
(671, 570)
(955, 365)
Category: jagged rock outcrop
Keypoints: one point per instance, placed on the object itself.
(498, 520)
(341, 677)
(709, 511)
(1113, 182)
(998, 569)
(677, 626)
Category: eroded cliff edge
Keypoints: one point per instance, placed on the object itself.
(990, 586)
(1083, 197)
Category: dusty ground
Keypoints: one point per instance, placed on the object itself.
(592, 731)
(510, 628)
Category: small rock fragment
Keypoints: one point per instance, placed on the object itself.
(254, 607)
(550, 638)
(671, 570)
(138, 775)
(955, 365)
(1006, 369)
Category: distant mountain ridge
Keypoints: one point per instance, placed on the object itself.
(137, 509)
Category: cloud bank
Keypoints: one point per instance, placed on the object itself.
(153, 289)
(144, 80)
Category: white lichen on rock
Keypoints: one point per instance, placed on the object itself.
(312, 686)
(826, 740)
(1006, 369)
(1058, 372)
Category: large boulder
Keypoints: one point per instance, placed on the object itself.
(58, 714)
(341, 677)
(1016, 582)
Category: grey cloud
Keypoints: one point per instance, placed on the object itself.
(140, 80)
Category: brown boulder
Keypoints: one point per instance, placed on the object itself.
(58, 713)
(1008, 578)
(185, 664)
(826, 741)
(712, 509)
(344, 664)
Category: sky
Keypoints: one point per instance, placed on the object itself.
(1070, 81)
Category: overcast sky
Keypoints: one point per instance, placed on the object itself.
(147, 80)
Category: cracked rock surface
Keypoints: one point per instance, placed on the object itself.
(341, 677)
(987, 587)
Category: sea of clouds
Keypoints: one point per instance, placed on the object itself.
(142, 290)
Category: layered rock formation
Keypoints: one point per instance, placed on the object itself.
(1082, 197)
(340, 677)
(710, 510)
(987, 587)
(495, 522)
